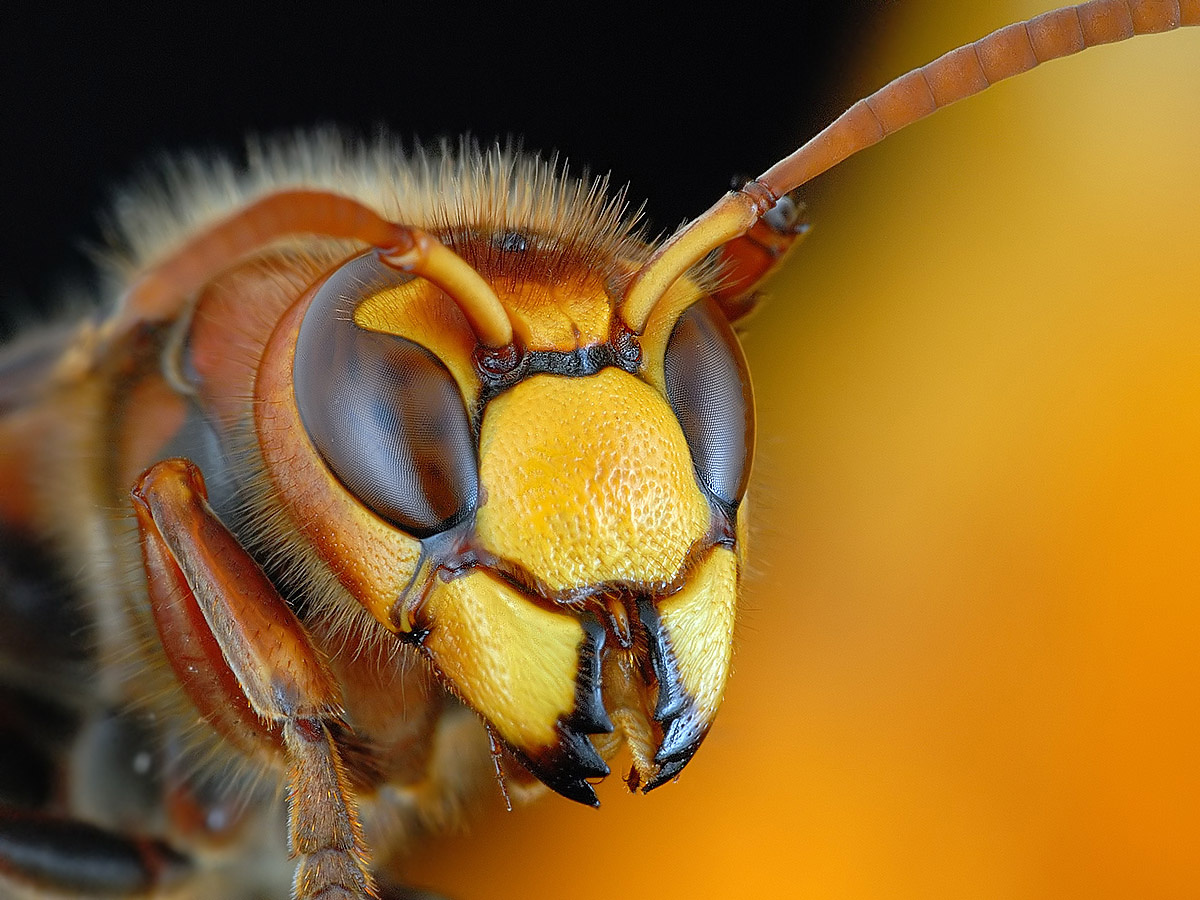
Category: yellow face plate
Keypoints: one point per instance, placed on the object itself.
(508, 657)
(699, 625)
(586, 481)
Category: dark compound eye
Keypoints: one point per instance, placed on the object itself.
(384, 412)
(708, 386)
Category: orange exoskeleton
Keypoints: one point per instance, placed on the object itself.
(386, 511)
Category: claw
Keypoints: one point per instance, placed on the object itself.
(681, 740)
(672, 699)
(565, 768)
(675, 710)
(668, 770)
(590, 716)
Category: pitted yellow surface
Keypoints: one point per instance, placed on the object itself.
(514, 662)
(587, 480)
(699, 624)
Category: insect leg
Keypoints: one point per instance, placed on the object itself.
(43, 648)
(67, 858)
(237, 646)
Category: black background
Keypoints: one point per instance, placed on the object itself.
(674, 105)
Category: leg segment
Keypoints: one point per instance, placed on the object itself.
(68, 858)
(250, 668)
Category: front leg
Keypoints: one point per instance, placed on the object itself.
(250, 668)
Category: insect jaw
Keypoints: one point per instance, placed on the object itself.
(664, 682)
(674, 709)
(531, 671)
(646, 665)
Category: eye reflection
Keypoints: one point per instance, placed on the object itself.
(385, 414)
(708, 386)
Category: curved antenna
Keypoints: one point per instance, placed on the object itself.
(434, 261)
(160, 293)
(951, 77)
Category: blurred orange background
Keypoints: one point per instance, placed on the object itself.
(968, 660)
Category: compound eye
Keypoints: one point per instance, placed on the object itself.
(708, 387)
(384, 413)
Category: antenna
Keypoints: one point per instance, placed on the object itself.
(951, 77)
